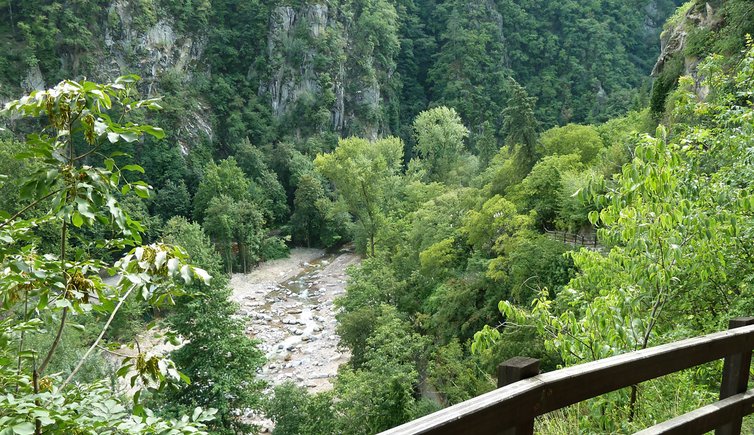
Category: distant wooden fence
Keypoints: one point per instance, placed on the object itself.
(524, 394)
(573, 239)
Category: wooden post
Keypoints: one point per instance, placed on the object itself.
(735, 377)
(514, 370)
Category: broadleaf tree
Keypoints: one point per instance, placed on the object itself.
(362, 172)
(41, 287)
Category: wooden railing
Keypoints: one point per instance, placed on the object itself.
(574, 239)
(524, 394)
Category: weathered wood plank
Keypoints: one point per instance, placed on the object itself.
(735, 377)
(519, 402)
(512, 371)
(706, 418)
(516, 369)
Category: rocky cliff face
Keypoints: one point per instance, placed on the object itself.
(151, 51)
(310, 52)
(295, 76)
(127, 47)
(701, 28)
(674, 38)
(294, 42)
(127, 43)
(321, 71)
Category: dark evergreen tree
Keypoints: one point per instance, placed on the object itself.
(470, 69)
(218, 356)
(520, 126)
(172, 200)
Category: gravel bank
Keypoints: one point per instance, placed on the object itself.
(288, 305)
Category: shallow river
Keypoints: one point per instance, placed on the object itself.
(288, 305)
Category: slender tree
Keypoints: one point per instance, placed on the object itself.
(520, 126)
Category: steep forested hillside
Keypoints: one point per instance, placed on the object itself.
(350, 67)
(444, 139)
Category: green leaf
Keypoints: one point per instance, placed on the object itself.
(43, 416)
(123, 371)
(153, 131)
(130, 78)
(173, 264)
(63, 303)
(83, 208)
(77, 219)
(27, 354)
(141, 191)
(594, 217)
(139, 410)
(24, 428)
(129, 136)
(203, 275)
(133, 168)
(186, 273)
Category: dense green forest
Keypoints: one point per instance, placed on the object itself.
(442, 138)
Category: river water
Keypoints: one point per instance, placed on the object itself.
(288, 306)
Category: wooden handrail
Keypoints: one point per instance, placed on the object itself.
(576, 239)
(519, 403)
(706, 418)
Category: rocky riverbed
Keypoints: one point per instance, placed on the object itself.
(288, 305)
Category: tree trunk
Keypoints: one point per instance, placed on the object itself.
(242, 251)
(229, 257)
(10, 12)
(632, 403)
